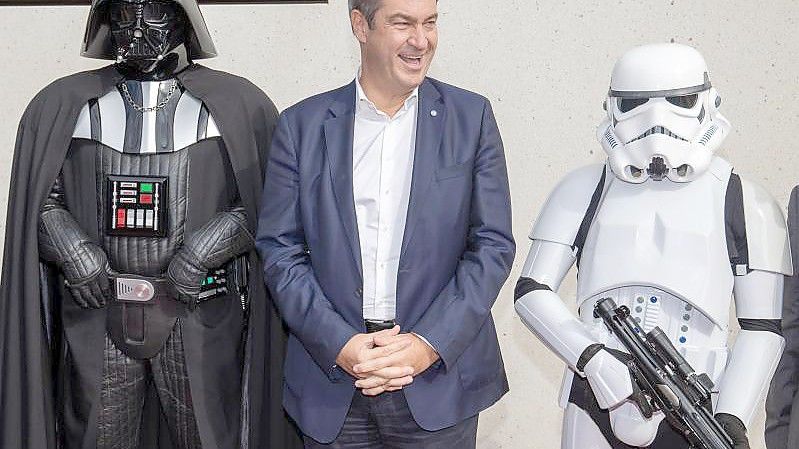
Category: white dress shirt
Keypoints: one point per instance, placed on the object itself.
(382, 168)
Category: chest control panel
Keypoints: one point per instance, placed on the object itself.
(136, 206)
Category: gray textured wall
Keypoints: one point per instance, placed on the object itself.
(544, 64)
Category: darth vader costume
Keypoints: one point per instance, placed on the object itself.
(132, 312)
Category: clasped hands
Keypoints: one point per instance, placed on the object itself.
(385, 361)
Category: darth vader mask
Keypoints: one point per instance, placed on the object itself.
(149, 36)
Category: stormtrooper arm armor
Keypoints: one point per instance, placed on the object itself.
(545, 314)
(553, 251)
(540, 307)
(222, 238)
(758, 347)
(758, 305)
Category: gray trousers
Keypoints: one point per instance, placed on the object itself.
(385, 421)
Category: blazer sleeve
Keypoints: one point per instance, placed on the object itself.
(287, 267)
(782, 393)
(457, 314)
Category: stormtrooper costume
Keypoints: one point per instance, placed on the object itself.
(667, 229)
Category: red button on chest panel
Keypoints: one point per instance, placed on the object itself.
(145, 199)
(121, 218)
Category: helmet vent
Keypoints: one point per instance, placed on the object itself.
(658, 130)
(708, 134)
(609, 138)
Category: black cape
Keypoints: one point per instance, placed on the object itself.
(30, 336)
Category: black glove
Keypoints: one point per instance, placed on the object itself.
(83, 263)
(221, 239)
(186, 277)
(735, 429)
(89, 291)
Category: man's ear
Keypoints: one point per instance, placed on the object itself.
(360, 26)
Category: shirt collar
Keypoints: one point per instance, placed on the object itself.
(363, 102)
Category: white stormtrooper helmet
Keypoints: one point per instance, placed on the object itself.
(663, 119)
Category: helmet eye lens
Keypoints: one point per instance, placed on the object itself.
(683, 101)
(152, 14)
(628, 104)
(123, 15)
(159, 13)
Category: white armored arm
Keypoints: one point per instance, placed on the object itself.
(555, 245)
(542, 310)
(758, 306)
(758, 346)
(545, 314)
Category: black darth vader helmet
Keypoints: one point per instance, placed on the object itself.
(99, 43)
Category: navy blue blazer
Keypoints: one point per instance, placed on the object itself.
(456, 253)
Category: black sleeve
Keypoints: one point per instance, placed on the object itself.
(735, 227)
(780, 399)
(588, 218)
(526, 285)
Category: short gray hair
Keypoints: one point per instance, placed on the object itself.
(367, 7)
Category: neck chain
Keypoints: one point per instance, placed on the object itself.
(159, 106)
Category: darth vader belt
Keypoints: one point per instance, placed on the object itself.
(136, 206)
(144, 290)
(140, 290)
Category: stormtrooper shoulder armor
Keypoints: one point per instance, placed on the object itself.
(574, 198)
(766, 231)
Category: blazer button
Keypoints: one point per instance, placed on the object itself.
(359, 292)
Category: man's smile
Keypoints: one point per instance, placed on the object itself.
(414, 61)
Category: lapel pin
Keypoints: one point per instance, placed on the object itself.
(434, 113)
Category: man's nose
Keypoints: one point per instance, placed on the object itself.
(418, 38)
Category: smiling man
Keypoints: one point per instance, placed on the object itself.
(386, 236)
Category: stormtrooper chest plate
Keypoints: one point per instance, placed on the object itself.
(666, 236)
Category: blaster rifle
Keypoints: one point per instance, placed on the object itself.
(667, 382)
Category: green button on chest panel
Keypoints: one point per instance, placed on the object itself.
(135, 206)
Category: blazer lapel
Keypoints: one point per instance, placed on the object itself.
(429, 131)
(338, 139)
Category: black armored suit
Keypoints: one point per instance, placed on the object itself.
(168, 219)
(129, 315)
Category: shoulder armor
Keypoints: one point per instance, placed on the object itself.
(766, 231)
(213, 129)
(83, 127)
(561, 217)
(193, 122)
